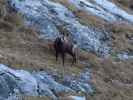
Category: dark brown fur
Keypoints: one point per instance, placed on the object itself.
(63, 48)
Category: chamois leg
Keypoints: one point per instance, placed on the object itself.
(63, 58)
(74, 59)
(56, 54)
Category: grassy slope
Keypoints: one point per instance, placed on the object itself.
(21, 48)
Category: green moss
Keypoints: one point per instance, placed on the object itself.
(19, 20)
(114, 55)
(72, 8)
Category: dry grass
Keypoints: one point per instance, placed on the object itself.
(14, 18)
(125, 4)
(122, 33)
(113, 81)
(89, 20)
(22, 49)
(9, 21)
(83, 17)
(32, 98)
(26, 52)
(6, 26)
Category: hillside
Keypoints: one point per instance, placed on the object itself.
(106, 48)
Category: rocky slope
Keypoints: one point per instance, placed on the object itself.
(16, 82)
(104, 36)
(70, 15)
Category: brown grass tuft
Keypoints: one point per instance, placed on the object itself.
(122, 34)
(89, 20)
(6, 26)
(14, 19)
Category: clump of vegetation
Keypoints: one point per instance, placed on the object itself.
(9, 20)
(2, 8)
(114, 56)
(120, 27)
(15, 19)
(124, 2)
(72, 8)
(6, 26)
(121, 34)
(89, 20)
